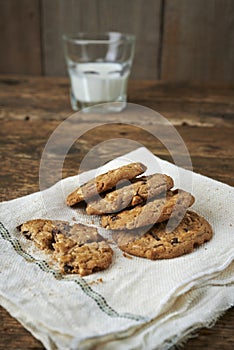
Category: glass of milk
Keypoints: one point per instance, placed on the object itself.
(99, 66)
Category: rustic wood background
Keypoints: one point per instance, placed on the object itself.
(177, 40)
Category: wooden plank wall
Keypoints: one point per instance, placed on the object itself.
(20, 37)
(198, 40)
(177, 40)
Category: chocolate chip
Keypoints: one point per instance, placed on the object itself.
(158, 245)
(174, 240)
(155, 236)
(114, 217)
(55, 231)
(96, 269)
(27, 234)
(185, 230)
(67, 268)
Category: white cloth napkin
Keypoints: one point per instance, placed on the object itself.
(136, 303)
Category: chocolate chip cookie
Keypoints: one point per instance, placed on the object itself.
(82, 251)
(77, 249)
(105, 182)
(141, 189)
(40, 231)
(192, 231)
(159, 209)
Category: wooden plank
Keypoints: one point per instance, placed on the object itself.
(103, 15)
(14, 336)
(48, 98)
(211, 156)
(198, 41)
(20, 44)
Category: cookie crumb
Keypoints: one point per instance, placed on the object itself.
(74, 219)
(99, 280)
(91, 283)
(127, 256)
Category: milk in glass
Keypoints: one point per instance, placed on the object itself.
(98, 82)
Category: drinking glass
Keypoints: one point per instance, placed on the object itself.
(99, 66)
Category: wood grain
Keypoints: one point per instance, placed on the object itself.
(198, 41)
(27, 97)
(130, 16)
(177, 41)
(31, 109)
(20, 39)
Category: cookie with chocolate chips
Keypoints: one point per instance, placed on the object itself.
(137, 192)
(41, 231)
(157, 243)
(82, 251)
(173, 204)
(78, 248)
(105, 182)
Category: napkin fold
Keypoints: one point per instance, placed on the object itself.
(136, 303)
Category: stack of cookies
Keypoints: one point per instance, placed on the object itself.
(147, 218)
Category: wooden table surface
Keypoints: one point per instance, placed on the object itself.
(32, 107)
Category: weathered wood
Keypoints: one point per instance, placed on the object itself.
(180, 40)
(14, 336)
(48, 98)
(217, 338)
(130, 16)
(20, 39)
(206, 128)
(198, 41)
(211, 155)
